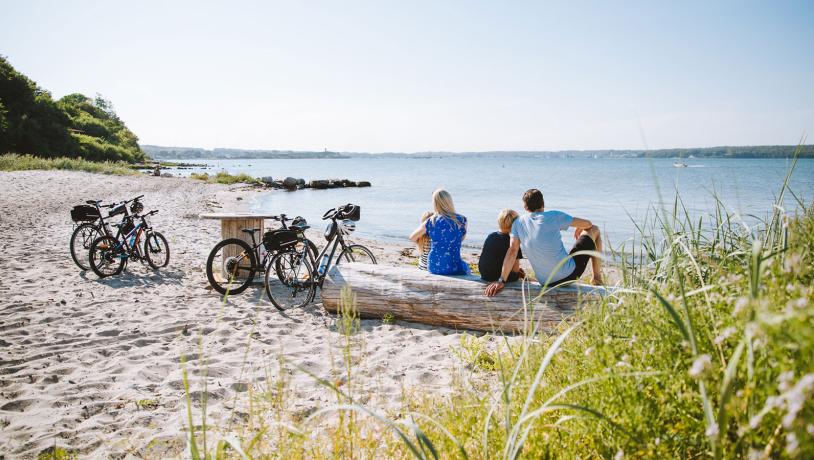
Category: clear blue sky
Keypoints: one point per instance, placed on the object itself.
(435, 75)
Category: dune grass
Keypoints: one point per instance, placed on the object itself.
(705, 352)
(16, 162)
(226, 178)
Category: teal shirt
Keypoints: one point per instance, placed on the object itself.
(540, 240)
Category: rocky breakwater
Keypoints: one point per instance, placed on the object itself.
(293, 183)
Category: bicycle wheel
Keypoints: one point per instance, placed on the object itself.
(356, 253)
(156, 250)
(81, 240)
(106, 257)
(312, 248)
(231, 266)
(296, 287)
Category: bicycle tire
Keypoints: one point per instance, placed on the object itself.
(356, 253)
(101, 255)
(298, 279)
(210, 270)
(161, 245)
(312, 248)
(83, 249)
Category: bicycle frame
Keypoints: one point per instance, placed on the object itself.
(335, 242)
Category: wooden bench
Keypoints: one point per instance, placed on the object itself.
(410, 294)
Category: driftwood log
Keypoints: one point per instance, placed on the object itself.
(457, 302)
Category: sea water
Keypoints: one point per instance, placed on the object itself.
(611, 193)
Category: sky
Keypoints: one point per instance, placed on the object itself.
(412, 76)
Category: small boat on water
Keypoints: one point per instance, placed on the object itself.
(679, 164)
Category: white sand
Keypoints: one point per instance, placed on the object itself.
(78, 353)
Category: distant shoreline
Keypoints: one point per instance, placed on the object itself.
(738, 152)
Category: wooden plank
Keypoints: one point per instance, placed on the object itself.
(410, 294)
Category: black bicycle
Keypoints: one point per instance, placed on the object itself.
(233, 263)
(108, 255)
(298, 275)
(91, 224)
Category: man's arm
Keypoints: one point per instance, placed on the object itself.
(508, 263)
(580, 225)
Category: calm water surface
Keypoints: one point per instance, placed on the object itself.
(606, 191)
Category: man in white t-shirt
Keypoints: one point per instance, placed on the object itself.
(538, 234)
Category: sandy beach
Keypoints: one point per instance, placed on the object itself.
(94, 365)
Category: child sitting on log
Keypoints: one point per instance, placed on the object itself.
(494, 250)
(423, 244)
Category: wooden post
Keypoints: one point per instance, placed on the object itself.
(410, 294)
(233, 228)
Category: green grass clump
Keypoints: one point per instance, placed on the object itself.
(16, 162)
(226, 178)
(56, 453)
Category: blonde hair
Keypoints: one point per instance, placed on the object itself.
(423, 239)
(443, 206)
(505, 219)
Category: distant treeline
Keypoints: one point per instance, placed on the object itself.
(75, 126)
(189, 153)
(757, 151)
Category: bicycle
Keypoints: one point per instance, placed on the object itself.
(296, 281)
(93, 226)
(108, 255)
(233, 263)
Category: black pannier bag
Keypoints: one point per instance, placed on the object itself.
(127, 227)
(350, 211)
(276, 240)
(84, 213)
(117, 210)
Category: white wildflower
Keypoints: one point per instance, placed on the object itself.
(725, 334)
(810, 429)
(588, 351)
(784, 381)
(740, 305)
(622, 364)
(701, 367)
(801, 303)
(712, 430)
(792, 444)
(632, 340)
(625, 358)
(754, 454)
(792, 263)
(795, 399)
(620, 454)
(752, 330)
(789, 288)
(754, 422)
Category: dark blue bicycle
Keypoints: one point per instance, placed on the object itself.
(135, 240)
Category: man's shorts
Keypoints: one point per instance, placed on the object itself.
(584, 243)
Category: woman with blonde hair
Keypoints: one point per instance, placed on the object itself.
(447, 230)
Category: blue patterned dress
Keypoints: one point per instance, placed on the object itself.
(446, 236)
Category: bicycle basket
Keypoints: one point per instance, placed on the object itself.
(350, 212)
(117, 210)
(84, 213)
(276, 240)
